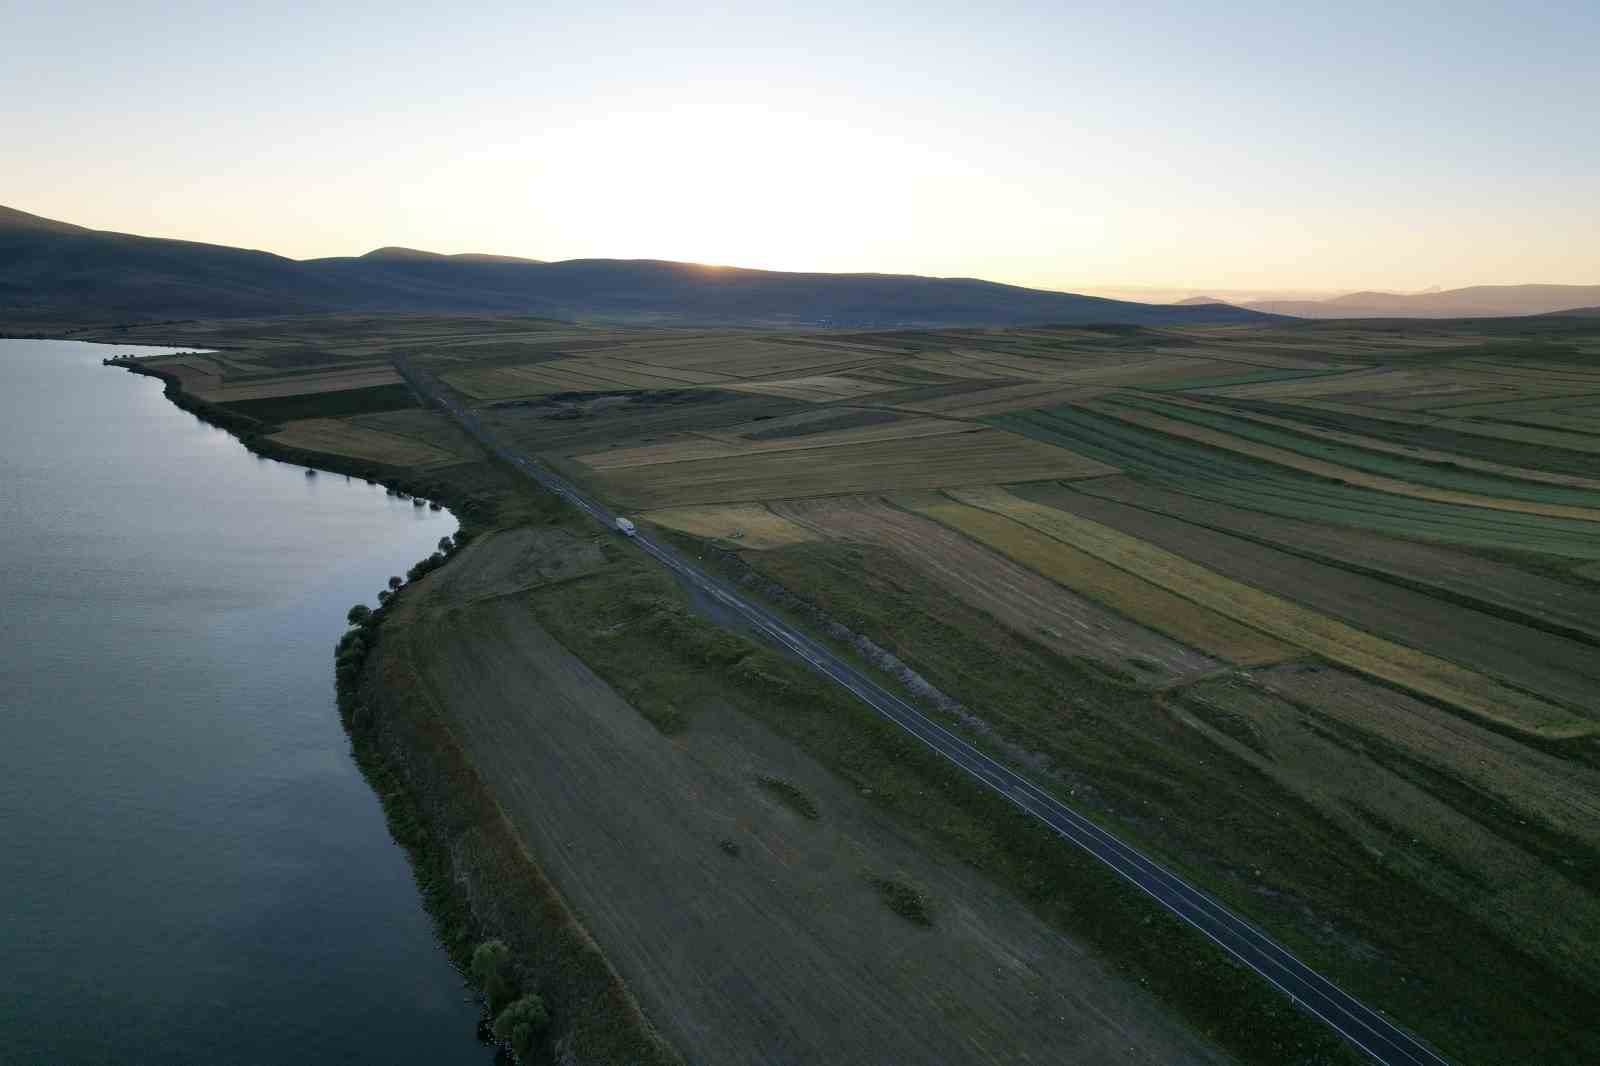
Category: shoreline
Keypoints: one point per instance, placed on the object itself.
(463, 852)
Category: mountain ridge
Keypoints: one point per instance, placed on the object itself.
(50, 268)
(1473, 301)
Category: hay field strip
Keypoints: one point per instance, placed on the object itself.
(343, 438)
(874, 466)
(820, 389)
(1374, 444)
(1494, 430)
(749, 525)
(302, 384)
(1127, 594)
(1365, 381)
(1375, 457)
(696, 449)
(1562, 793)
(1556, 668)
(1335, 641)
(1471, 853)
(1274, 375)
(1443, 572)
(1424, 436)
(1021, 599)
(675, 374)
(1244, 443)
(1234, 479)
(1521, 406)
(1264, 359)
(1004, 398)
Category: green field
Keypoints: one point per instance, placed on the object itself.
(1255, 485)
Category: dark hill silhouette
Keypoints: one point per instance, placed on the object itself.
(397, 252)
(1477, 301)
(54, 269)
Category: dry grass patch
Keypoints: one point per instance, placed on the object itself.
(721, 447)
(1373, 444)
(820, 389)
(1027, 603)
(750, 525)
(1333, 471)
(972, 458)
(1455, 808)
(1118, 589)
(342, 438)
(301, 384)
(1311, 630)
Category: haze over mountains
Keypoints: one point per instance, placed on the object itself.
(1477, 301)
(54, 270)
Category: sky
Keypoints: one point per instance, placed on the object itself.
(1155, 148)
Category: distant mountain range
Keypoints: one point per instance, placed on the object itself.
(1478, 301)
(55, 270)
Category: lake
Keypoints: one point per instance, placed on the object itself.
(193, 869)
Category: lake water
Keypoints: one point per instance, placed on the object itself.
(191, 868)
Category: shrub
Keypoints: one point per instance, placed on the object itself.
(358, 615)
(491, 968)
(791, 796)
(521, 1023)
(904, 900)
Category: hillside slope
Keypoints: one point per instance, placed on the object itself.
(54, 269)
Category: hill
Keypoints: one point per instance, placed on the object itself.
(1477, 301)
(51, 269)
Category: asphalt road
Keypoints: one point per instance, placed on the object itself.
(1363, 1026)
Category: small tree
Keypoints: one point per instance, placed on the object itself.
(446, 544)
(491, 968)
(522, 1023)
(385, 595)
(395, 581)
(359, 615)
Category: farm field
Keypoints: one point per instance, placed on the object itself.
(627, 822)
(752, 525)
(1562, 670)
(1300, 626)
(1124, 591)
(1452, 576)
(875, 466)
(1033, 606)
(1249, 444)
(1176, 460)
(1308, 610)
(343, 438)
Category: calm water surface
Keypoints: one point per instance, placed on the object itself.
(191, 868)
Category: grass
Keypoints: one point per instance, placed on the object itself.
(338, 404)
(1340, 472)
(876, 466)
(611, 620)
(1308, 629)
(1231, 478)
(1125, 758)
(751, 525)
(1384, 463)
(333, 436)
(1125, 592)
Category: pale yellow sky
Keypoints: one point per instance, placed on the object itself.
(1176, 149)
